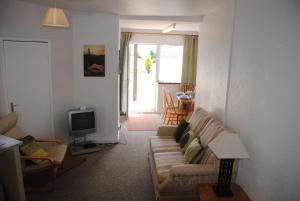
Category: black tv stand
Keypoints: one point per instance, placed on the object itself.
(89, 145)
(78, 147)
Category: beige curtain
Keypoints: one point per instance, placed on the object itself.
(189, 62)
(123, 70)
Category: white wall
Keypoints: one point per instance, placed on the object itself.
(22, 20)
(213, 59)
(70, 89)
(98, 92)
(157, 39)
(263, 95)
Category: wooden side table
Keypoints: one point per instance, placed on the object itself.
(207, 193)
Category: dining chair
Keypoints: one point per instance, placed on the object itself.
(187, 87)
(165, 105)
(173, 113)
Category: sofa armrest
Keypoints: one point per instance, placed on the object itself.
(166, 130)
(188, 170)
(184, 179)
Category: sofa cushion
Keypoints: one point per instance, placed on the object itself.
(208, 157)
(197, 159)
(183, 125)
(193, 150)
(210, 131)
(201, 124)
(164, 161)
(197, 116)
(163, 144)
(7, 122)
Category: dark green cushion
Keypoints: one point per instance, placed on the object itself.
(182, 127)
(197, 158)
(186, 139)
(26, 140)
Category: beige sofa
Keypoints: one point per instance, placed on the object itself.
(173, 179)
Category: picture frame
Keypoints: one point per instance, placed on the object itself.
(94, 60)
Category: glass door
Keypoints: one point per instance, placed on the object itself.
(142, 78)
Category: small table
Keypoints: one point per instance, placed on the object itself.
(186, 105)
(207, 193)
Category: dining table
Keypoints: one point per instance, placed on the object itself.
(185, 102)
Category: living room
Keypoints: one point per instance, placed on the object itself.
(247, 77)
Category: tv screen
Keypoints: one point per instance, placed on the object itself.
(82, 121)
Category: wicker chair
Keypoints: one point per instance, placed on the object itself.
(46, 167)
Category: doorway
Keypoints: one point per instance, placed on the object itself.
(142, 78)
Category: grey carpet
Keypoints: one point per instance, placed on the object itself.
(117, 173)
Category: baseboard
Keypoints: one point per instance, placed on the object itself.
(106, 141)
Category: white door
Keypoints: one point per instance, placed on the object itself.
(27, 79)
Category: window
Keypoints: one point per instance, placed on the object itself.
(170, 60)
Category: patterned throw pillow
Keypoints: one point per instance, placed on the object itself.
(186, 139)
(198, 157)
(192, 151)
(182, 127)
(30, 147)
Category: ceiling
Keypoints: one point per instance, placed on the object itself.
(151, 15)
(157, 26)
(138, 7)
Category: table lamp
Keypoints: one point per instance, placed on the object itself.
(227, 146)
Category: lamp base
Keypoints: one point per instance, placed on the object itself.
(226, 192)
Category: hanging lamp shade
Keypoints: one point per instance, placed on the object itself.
(55, 17)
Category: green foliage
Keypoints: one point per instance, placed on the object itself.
(152, 54)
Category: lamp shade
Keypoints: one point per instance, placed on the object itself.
(228, 145)
(55, 17)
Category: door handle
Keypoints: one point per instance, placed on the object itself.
(12, 106)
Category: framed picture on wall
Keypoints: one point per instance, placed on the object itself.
(94, 60)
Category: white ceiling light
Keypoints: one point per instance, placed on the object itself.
(55, 17)
(169, 28)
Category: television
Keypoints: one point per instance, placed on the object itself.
(81, 121)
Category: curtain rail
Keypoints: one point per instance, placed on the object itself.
(159, 33)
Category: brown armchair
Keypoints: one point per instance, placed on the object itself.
(35, 174)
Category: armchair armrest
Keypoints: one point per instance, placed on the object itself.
(187, 170)
(52, 141)
(166, 130)
(45, 158)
